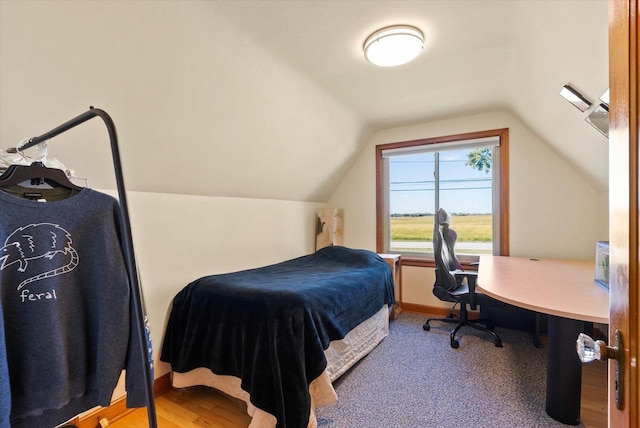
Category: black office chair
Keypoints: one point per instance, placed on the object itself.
(450, 285)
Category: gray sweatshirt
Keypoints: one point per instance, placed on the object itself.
(66, 304)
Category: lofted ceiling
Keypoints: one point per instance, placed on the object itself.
(479, 56)
(273, 99)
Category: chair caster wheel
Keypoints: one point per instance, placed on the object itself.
(426, 327)
(498, 343)
(455, 344)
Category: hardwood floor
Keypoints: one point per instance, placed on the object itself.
(205, 407)
(593, 408)
(197, 406)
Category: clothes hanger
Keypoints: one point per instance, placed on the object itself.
(16, 174)
(37, 172)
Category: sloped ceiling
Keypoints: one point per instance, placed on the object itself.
(478, 56)
(273, 99)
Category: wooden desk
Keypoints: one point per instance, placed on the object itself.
(565, 290)
(395, 262)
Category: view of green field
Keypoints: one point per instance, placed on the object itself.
(470, 228)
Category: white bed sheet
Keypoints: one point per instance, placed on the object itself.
(341, 355)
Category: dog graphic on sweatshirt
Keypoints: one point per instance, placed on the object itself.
(38, 241)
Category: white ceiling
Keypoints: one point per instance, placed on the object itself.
(479, 56)
(273, 99)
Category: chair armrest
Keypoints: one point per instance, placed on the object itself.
(472, 278)
(466, 273)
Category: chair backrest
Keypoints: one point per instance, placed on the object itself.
(444, 240)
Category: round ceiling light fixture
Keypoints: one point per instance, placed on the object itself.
(392, 46)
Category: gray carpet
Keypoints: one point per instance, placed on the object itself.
(414, 379)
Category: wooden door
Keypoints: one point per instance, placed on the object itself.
(623, 204)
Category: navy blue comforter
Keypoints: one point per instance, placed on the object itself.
(270, 326)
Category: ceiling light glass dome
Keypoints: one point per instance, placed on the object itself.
(392, 46)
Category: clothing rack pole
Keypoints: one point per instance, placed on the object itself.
(129, 255)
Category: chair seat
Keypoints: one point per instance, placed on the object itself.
(460, 291)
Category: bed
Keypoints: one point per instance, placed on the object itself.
(277, 336)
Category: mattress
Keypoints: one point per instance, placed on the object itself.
(341, 355)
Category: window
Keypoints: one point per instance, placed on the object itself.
(465, 174)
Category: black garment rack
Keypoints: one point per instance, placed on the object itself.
(127, 241)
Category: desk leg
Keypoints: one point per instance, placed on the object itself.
(564, 370)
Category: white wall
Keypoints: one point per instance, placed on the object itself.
(553, 211)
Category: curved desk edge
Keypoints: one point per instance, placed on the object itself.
(564, 288)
